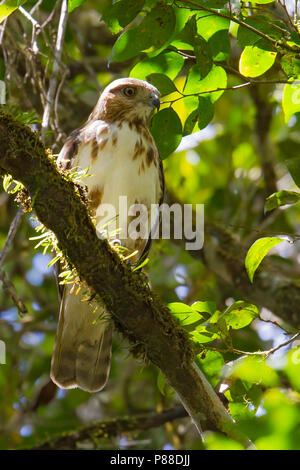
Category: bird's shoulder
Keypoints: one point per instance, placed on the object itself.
(90, 131)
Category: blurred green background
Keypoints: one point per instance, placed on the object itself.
(231, 160)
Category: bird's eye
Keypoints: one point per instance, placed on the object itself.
(129, 91)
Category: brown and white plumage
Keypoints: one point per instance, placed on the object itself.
(117, 147)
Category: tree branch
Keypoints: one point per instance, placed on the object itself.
(8, 285)
(136, 311)
(264, 147)
(274, 42)
(11, 234)
(56, 65)
(111, 428)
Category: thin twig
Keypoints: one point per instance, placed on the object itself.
(35, 29)
(29, 17)
(7, 284)
(290, 21)
(254, 353)
(208, 91)
(197, 6)
(278, 325)
(36, 6)
(260, 231)
(11, 234)
(50, 17)
(56, 65)
(235, 87)
(232, 70)
(2, 31)
(65, 74)
(10, 288)
(271, 351)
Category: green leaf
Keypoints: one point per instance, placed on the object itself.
(291, 65)
(120, 14)
(203, 55)
(214, 80)
(293, 165)
(262, 24)
(291, 99)
(247, 37)
(212, 3)
(8, 7)
(181, 17)
(211, 362)
(141, 265)
(215, 441)
(191, 102)
(154, 30)
(281, 198)
(255, 61)
(294, 38)
(257, 252)
(208, 25)
(255, 370)
(53, 261)
(190, 123)
(262, 2)
(205, 112)
(205, 306)
(180, 307)
(240, 314)
(214, 29)
(188, 319)
(201, 338)
(187, 35)
(240, 410)
(186, 314)
(7, 181)
(201, 116)
(219, 45)
(72, 4)
(168, 63)
(65, 273)
(215, 317)
(166, 129)
(190, 36)
(292, 367)
(162, 82)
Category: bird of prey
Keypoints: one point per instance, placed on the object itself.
(123, 160)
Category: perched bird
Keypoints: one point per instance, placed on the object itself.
(123, 160)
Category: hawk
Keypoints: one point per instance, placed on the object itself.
(123, 160)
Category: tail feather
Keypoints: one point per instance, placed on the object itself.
(82, 351)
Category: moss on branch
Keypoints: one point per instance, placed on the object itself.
(136, 311)
(90, 435)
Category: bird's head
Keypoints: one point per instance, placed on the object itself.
(127, 99)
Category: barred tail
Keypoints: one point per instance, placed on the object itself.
(82, 351)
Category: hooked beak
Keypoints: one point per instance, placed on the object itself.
(155, 101)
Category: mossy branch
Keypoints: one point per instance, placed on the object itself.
(88, 436)
(136, 311)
